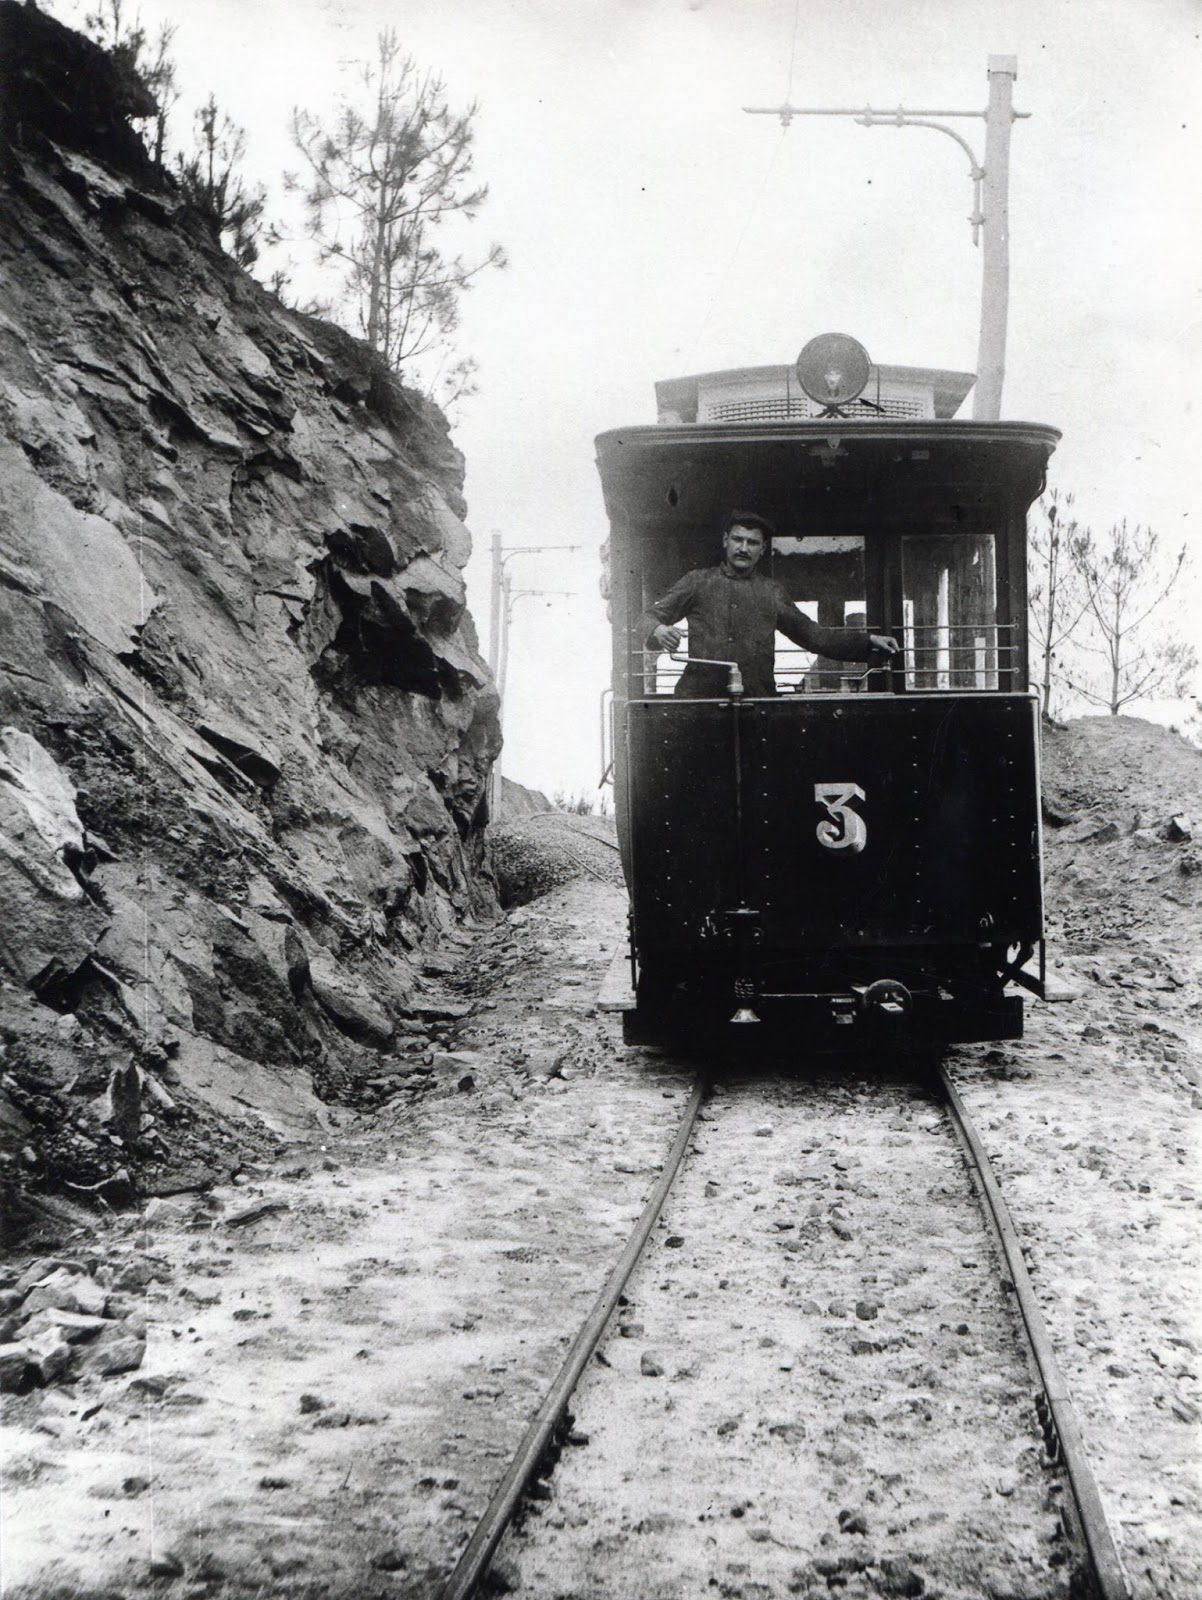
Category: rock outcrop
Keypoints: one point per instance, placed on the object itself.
(244, 726)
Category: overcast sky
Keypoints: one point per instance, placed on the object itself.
(654, 230)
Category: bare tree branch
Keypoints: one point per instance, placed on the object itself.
(1125, 579)
(1056, 601)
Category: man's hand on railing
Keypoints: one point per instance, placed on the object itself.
(666, 638)
(883, 644)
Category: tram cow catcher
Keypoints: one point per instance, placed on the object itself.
(856, 853)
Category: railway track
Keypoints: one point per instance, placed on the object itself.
(578, 837)
(817, 1368)
(598, 828)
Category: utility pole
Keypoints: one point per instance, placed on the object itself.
(510, 597)
(494, 604)
(995, 265)
(502, 597)
(991, 209)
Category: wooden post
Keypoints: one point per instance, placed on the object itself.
(995, 270)
(494, 604)
(504, 606)
(506, 616)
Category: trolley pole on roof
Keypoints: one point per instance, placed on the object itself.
(991, 206)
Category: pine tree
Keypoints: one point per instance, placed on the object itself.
(150, 60)
(383, 183)
(210, 181)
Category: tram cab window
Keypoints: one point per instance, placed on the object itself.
(824, 576)
(949, 589)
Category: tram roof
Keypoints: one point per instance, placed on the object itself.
(688, 399)
(763, 464)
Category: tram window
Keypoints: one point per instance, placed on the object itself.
(824, 575)
(949, 587)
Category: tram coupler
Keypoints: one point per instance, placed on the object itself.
(885, 998)
(743, 926)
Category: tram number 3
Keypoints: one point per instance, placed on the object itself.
(841, 828)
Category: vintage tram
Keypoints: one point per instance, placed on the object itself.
(859, 853)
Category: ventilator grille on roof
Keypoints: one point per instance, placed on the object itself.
(775, 408)
(774, 394)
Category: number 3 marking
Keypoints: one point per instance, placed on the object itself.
(842, 828)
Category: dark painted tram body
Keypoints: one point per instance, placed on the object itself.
(860, 854)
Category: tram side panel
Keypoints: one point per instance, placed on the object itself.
(681, 800)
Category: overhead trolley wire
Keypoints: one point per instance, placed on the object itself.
(752, 210)
(754, 206)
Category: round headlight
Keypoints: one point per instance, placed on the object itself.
(833, 369)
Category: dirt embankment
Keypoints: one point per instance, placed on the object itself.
(1123, 834)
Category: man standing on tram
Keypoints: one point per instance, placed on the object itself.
(734, 613)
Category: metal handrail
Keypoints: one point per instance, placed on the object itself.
(935, 657)
(636, 633)
(607, 736)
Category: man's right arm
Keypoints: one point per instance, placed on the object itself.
(657, 623)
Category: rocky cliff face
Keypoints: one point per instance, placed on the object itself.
(244, 727)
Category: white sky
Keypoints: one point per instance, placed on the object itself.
(655, 230)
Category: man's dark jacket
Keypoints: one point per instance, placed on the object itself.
(733, 617)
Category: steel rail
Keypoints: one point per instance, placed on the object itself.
(1109, 1578)
(581, 861)
(566, 821)
(480, 1548)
